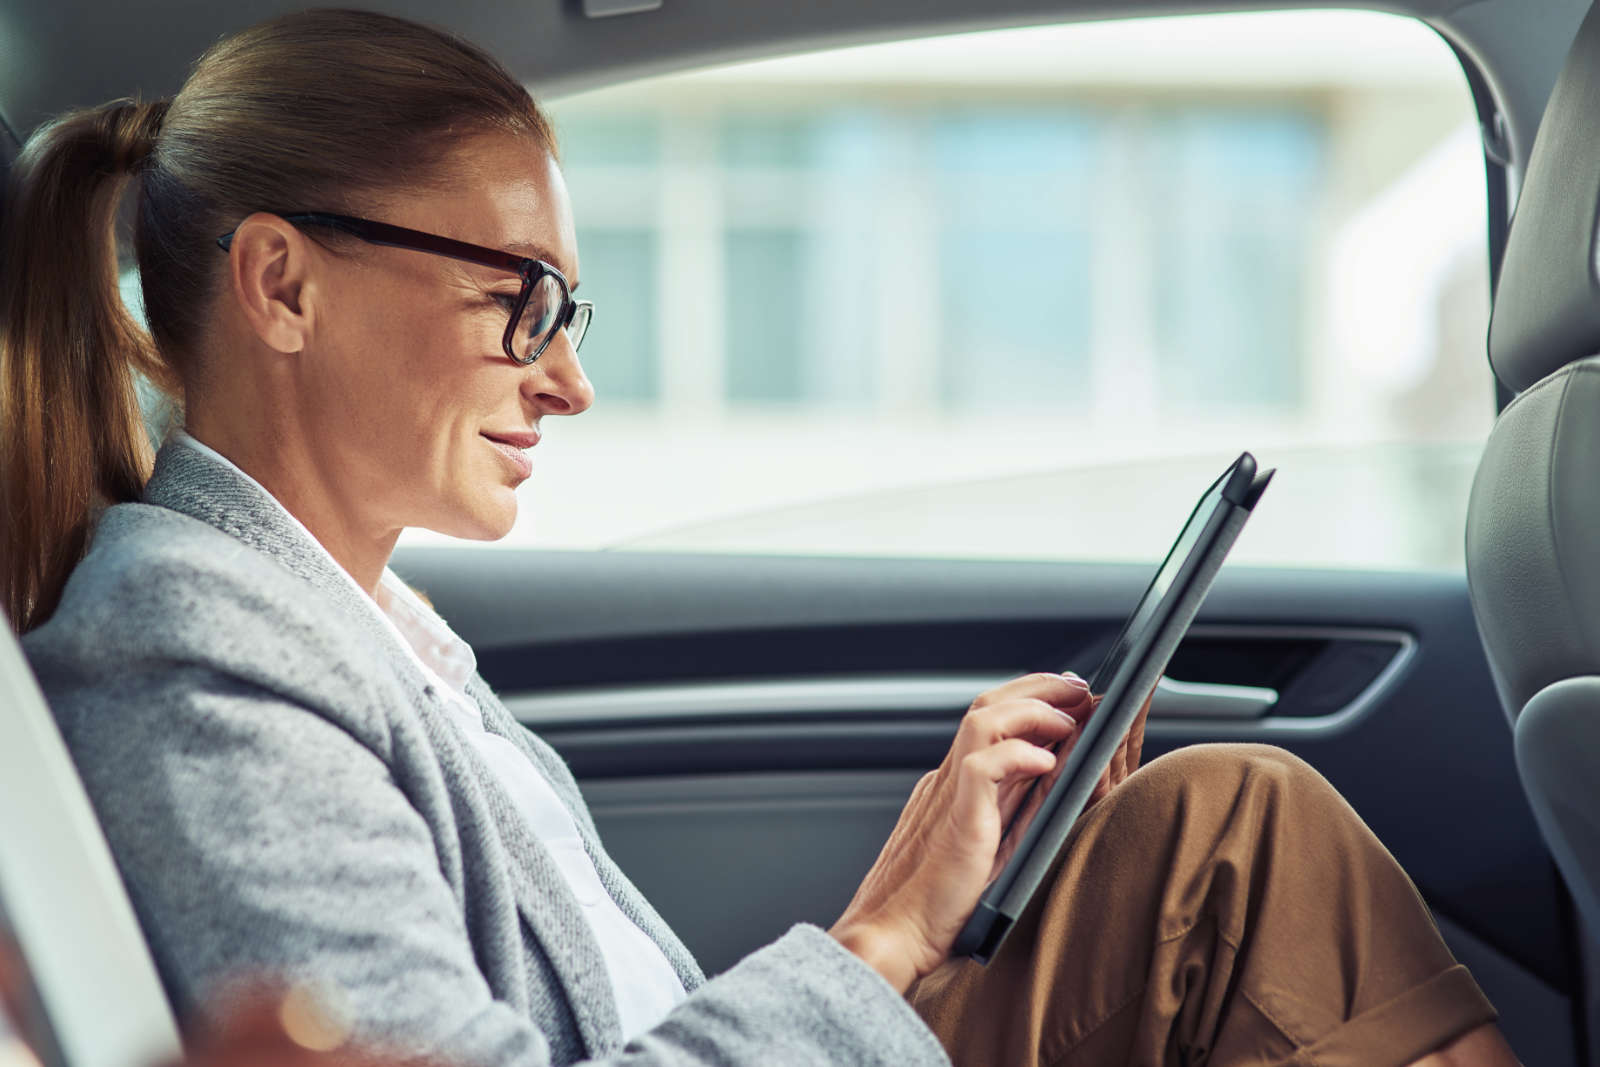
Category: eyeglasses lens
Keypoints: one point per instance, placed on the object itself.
(581, 315)
(539, 317)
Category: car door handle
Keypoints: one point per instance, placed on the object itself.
(1205, 700)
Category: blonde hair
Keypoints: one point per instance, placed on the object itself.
(313, 111)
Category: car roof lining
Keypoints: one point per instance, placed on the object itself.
(72, 53)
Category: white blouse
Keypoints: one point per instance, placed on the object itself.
(645, 984)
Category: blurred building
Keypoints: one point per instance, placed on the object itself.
(970, 258)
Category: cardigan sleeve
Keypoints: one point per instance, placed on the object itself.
(804, 999)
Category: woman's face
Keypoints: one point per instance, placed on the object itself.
(420, 418)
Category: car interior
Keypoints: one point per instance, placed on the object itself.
(767, 714)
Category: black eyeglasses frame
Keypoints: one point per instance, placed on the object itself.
(530, 270)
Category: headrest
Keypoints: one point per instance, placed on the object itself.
(1547, 303)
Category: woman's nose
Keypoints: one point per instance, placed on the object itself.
(556, 380)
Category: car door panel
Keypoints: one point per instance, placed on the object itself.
(747, 729)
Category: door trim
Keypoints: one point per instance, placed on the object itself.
(926, 696)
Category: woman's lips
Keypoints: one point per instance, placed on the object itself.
(513, 446)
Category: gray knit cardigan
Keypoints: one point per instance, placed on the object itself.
(284, 794)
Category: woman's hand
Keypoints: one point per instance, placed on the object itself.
(1124, 761)
(946, 846)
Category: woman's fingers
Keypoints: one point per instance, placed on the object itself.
(1016, 792)
(1021, 806)
(1063, 690)
(940, 854)
(981, 774)
(1030, 718)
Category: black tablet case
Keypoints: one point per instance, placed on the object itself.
(1146, 659)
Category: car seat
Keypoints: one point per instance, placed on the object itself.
(96, 985)
(1533, 524)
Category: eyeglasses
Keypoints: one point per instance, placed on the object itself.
(543, 306)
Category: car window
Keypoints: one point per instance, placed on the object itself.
(1023, 293)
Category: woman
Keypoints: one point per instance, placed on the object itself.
(358, 262)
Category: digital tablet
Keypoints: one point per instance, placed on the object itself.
(1124, 681)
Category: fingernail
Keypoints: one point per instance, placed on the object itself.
(1074, 681)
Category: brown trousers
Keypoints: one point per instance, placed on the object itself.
(1222, 906)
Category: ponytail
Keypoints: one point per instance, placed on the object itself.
(71, 437)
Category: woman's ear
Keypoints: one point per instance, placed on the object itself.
(269, 268)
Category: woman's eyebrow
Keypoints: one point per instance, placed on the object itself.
(533, 251)
(523, 248)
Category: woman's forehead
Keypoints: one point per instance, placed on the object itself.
(506, 193)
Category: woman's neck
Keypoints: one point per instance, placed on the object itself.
(292, 477)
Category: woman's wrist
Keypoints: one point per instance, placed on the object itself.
(880, 950)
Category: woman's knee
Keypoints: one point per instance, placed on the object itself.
(1220, 772)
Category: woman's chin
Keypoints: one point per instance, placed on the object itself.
(493, 529)
(480, 523)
